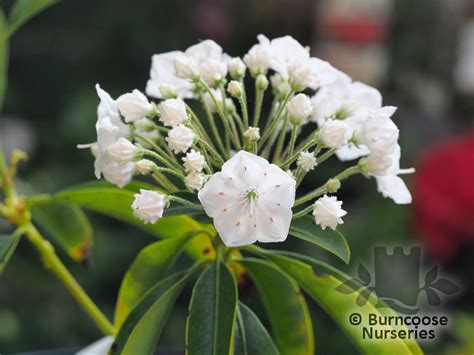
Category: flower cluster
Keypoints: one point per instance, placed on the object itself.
(245, 165)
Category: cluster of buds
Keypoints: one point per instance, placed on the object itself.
(245, 163)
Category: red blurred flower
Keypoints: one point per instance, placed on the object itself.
(444, 196)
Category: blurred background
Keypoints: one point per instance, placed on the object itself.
(419, 54)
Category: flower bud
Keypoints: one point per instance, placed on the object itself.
(186, 67)
(167, 91)
(258, 59)
(145, 166)
(172, 112)
(261, 82)
(180, 139)
(328, 211)
(379, 133)
(377, 164)
(333, 185)
(299, 76)
(306, 161)
(299, 108)
(252, 134)
(333, 133)
(123, 151)
(193, 162)
(144, 124)
(237, 68)
(134, 105)
(213, 71)
(194, 181)
(148, 206)
(235, 89)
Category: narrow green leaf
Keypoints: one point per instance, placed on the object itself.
(149, 267)
(23, 10)
(285, 305)
(322, 287)
(3, 58)
(251, 337)
(68, 226)
(143, 326)
(116, 203)
(212, 313)
(8, 244)
(332, 241)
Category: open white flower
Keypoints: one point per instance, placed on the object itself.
(328, 212)
(148, 206)
(379, 133)
(180, 139)
(172, 112)
(193, 161)
(250, 200)
(258, 58)
(306, 161)
(236, 68)
(134, 106)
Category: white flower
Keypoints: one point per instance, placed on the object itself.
(118, 174)
(306, 161)
(213, 71)
(193, 162)
(163, 82)
(180, 139)
(134, 105)
(122, 151)
(379, 133)
(144, 124)
(250, 200)
(299, 108)
(185, 67)
(235, 89)
(252, 134)
(378, 164)
(99, 347)
(280, 85)
(258, 57)
(108, 108)
(328, 212)
(194, 181)
(148, 206)
(145, 166)
(237, 68)
(172, 112)
(333, 133)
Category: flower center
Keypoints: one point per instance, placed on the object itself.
(251, 195)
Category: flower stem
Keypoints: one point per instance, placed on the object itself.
(270, 129)
(212, 151)
(303, 212)
(54, 264)
(295, 156)
(185, 202)
(281, 141)
(258, 104)
(326, 155)
(243, 106)
(294, 132)
(197, 123)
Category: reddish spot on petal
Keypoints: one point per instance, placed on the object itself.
(278, 204)
(237, 224)
(255, 226)
(277, 185)
(271, 219)
(220, 193)
(245, 168)
(224, 210)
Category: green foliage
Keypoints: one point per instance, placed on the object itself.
(212, 313)
(8, 244)
(67, 225)
(24, 10)
(3, 57)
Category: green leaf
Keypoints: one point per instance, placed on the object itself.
(212, 313)
(285, 305)
(149, 267)
(23, 10)
(143, 326)
(332, 241)
(68, 225)
(321, 286)
(8, 244)
(3, 57)
(115, 203)
(251, 337)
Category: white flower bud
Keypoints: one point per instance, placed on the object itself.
(213, 71)
(333, 133)
(299, 108)
(148, 206)
(172, 112)
(122, 151)
(306, 161)
(235, 89)
(258, 59)
(134, 105)
(328, 211)
(299, 75)
(186, 67)
(379, 133)
(333, 185)
(144, 124)
(193, 162)
(194, 181)
(180, 139)
(145, 166)
(118, 174)
(252, 134)
(377, 164)
(167, 91)
(261, 82)
(237, 68)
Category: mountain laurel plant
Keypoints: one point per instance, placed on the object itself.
(220, 180)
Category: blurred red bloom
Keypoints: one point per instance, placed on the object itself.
(444, 196)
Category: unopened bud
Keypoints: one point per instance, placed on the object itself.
(333, 185)
(235, 89)
(261, 82)
(145, 166)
